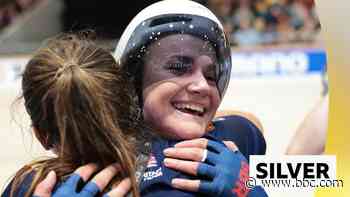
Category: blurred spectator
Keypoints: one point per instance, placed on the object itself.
(252, 22)
(223, 10)
(10, 9)
(246, 22)
(246, 33)
(304, 19)
(281, 19)
(242, 12)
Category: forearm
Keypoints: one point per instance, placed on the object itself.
(311, 135)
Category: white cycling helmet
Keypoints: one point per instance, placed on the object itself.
(169, 17)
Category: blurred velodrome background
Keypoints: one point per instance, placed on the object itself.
(277, 53)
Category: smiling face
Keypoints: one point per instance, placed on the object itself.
(179, 90)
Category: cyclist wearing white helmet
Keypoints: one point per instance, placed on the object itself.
(178, 57)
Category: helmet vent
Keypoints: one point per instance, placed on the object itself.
(171, 19)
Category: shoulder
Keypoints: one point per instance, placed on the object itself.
(244, 129)
(22, 188)
(224, 114)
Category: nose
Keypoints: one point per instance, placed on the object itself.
(199, 85)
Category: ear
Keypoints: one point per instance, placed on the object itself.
(42, 137)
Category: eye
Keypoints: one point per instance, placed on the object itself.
(210, 75)
(178, 68)
(210, 78)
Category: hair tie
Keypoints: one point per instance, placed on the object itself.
(64, 68)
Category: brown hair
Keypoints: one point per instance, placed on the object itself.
(79, 102)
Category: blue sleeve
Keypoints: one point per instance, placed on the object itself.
(242, 132)
(22, 188)
(156, 180)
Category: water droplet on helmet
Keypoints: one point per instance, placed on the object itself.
(144, 23)
(171, 25)
(191, 26)
(150, 37)
(158, 33)
(183, 22)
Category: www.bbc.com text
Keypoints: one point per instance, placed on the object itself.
(295, 183)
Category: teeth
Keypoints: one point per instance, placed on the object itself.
(192, 107)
